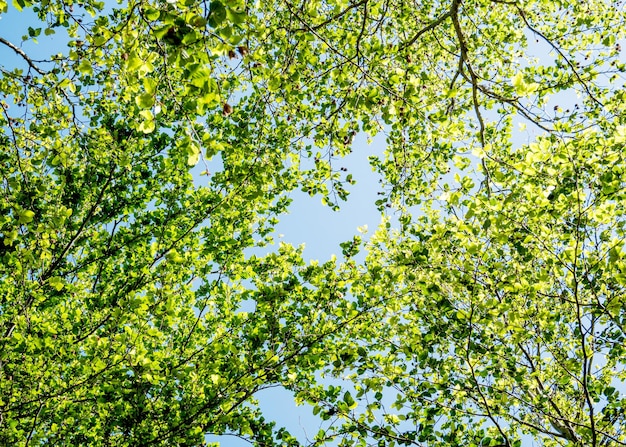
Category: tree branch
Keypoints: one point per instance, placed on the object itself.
(558, 50)
(429, 27)
(24, 56)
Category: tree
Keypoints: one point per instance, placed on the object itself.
(122, 275)
(504, 320)
(492, 315)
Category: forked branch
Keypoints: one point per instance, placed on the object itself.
(24, 56)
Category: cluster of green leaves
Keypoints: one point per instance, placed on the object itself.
(133, 313)
(505, 313)
(121, 274)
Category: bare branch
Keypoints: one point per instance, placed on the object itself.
(431, 26)
(24, 56)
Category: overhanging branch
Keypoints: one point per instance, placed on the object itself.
(24, 56)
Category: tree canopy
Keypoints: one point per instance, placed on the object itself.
(147, 159)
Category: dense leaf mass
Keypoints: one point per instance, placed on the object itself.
(147, 159)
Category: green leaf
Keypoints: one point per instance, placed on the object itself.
(518, 83)
(193, 158)
(217, 13)
(147, 125)
(145, 100)
(25, 216)
(347, 398)
(235, 17)
(18, 4)
(150, 85)
(134, 62)
(56, 283)
(85, 67)
(151, 14)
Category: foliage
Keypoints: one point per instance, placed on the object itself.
(488, 309)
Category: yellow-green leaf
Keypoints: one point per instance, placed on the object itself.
(145, 100)
(25, 216)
